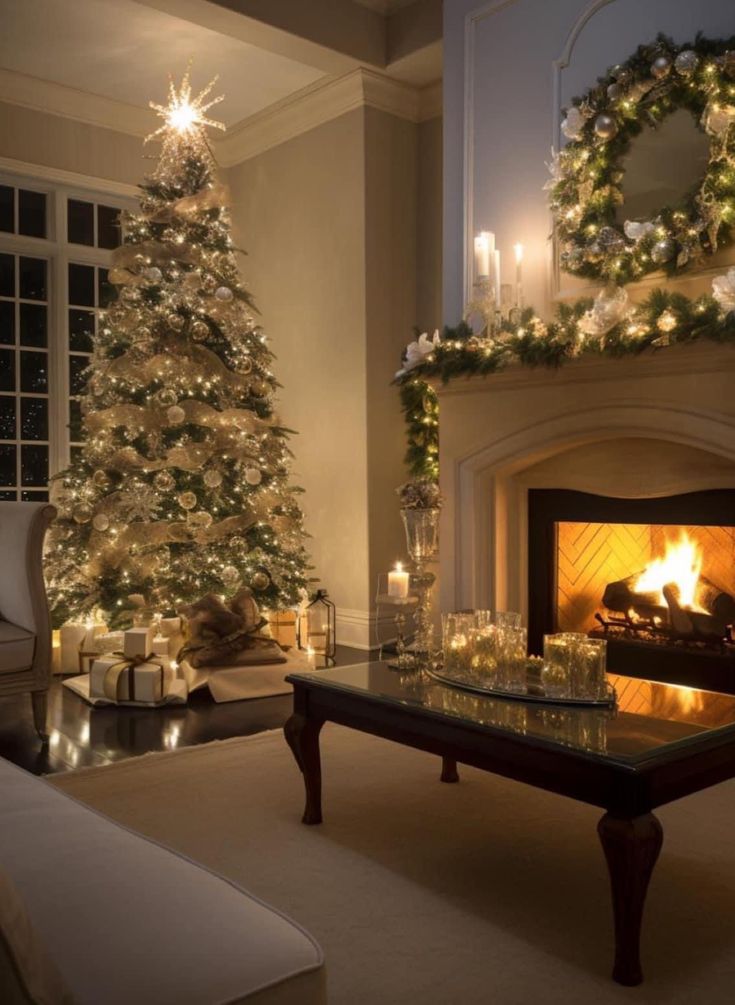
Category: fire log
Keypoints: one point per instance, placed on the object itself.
(621, 596)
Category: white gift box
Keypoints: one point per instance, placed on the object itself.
(169, 627)
(138, 642)
(161, 645)
(109, 642)
(74, 638)
(109, 678)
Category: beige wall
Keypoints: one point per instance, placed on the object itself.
(298, 210)
(429, 226)
(52, 141)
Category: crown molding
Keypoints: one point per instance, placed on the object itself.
(69, 103)
(320, 102)
(323, 101)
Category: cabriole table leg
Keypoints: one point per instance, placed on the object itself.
(631, 848)
(302, 735)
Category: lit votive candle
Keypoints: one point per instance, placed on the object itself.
(398, 581)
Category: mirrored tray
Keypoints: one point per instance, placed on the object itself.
(534, 690)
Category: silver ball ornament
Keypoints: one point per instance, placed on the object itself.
(614, 92)
(164, 481)
(605, 126)
(175, 321)
(175, 415)
(199, 331)
(153, 274)
(686, 62)
(101, 522)
(223, 293)
(663, 251)
(661, 67)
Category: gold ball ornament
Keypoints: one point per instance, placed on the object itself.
(212, 479)
(224, 293)
(187, 500)
(101, 522)
(245, 365)
(260, 580)
(259, 388)
(82, 514)
(176, 322)
(164, 481)
(663, 251)
(686, 62)
(605, 126)
(100, 479)
(199, 331)
(175, 415)
(661, 67)
(253, 476)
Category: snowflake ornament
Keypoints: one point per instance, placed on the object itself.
(139, 503)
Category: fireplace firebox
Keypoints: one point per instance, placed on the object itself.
(654, 576)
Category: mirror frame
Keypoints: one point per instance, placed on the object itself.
(585, 188)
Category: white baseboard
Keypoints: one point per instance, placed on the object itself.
(357, 629)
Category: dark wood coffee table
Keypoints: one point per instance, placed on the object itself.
(662, 743)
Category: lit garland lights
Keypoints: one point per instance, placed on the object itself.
(587, 175)
(182, 486)
(608, 326)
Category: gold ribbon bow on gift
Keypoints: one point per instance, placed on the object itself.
(218, 630)
(115, 675)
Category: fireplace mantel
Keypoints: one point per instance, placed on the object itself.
(656, 424)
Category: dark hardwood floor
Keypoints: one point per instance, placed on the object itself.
(81, 736)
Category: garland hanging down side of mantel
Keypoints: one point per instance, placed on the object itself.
(608, 326)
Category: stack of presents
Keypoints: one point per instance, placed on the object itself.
(229, 648)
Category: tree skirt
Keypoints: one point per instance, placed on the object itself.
(489, 891)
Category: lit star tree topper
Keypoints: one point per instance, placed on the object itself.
(182, 486)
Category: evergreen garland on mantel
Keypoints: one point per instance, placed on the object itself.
(577, 331)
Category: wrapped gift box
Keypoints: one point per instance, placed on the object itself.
(109, 678)
(282, 626)
(138, 642)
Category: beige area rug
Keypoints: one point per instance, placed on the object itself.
(428, 894)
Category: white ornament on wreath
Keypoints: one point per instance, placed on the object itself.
(723, 290)
(417, 351)
(609, 309)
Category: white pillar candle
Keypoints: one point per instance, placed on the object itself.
(496, 276)
(484, 247)
(518, 251)
(398, 582)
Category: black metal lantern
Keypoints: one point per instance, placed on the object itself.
(317, 628)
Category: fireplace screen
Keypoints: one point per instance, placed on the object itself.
(645, 578)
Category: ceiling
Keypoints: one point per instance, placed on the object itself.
(122, 50)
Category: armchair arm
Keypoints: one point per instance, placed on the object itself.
(22, 589)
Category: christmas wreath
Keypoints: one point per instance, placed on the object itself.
(585, 187)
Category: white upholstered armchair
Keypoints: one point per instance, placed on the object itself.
(25, 625)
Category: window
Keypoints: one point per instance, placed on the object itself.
(55, 249)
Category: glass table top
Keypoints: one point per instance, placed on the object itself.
(649, 717)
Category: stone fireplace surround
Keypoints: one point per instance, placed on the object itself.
(660, 424)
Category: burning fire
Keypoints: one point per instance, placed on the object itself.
(681, 565)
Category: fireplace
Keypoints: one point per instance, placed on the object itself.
(654, 576)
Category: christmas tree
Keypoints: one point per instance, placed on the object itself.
(182, 486)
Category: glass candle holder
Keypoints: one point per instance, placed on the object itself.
(556, 675)
(589, 662)
(457, 642)
(514, 648)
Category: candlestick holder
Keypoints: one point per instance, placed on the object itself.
(485, 305)
(422, 529)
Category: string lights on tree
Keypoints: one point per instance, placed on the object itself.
(182, 486)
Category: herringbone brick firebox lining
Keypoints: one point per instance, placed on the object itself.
(591, 555)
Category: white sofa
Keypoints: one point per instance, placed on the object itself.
(123, 921)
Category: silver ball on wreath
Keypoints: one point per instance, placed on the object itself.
(164, 481)
(101, 522)
(605, 126)
(224, 293)
(686, 62)
(199, 331)
(611, 240)
(187, 500)
(253, 476)
(212, 479)
(663, 251)
(175, 415)
(661, 67)
(260, 580)
(175, 321)
(623, 75)
(153, 274)
(614, 91)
